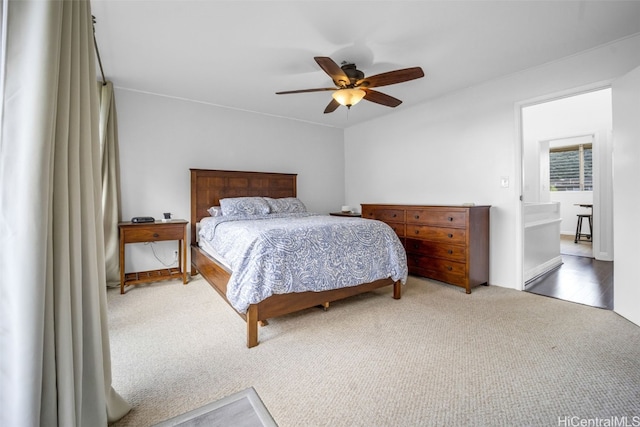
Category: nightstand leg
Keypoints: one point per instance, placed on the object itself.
(183, 261)
(121, 262)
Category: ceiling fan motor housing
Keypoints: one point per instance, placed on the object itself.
(352, 72)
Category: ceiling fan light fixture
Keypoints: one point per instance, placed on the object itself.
(348, 97)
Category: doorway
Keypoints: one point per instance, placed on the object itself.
(567, 172)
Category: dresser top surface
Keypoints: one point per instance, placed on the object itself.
(415, 205)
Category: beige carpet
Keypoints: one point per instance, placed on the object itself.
(437, 357)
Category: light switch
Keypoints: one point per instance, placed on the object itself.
(504, 181)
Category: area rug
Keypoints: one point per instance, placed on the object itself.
(242, 409)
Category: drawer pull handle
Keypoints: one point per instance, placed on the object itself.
(449, 268)
(450, 251)
(450, 235)
(394, 215)
(156, 235)
(416, 216)
(416, 246)
(417, 231)
(450, 218)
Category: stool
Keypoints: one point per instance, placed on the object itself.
(579, 233)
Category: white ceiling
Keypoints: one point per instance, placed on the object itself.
(238, 53)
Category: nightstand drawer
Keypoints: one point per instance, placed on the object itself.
(156, 233)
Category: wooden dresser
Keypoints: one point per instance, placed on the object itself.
(446, 243)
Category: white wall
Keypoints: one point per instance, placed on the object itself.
(457, 148)
(161, 138)
(569, 211)
(626, 134)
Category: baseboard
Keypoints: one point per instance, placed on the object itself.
(541, 269)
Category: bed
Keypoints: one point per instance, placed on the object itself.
(208, 188)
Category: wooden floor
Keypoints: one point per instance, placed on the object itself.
(580, 278)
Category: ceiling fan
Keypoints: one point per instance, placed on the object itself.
(352, 86)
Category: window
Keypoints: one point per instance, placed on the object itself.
(570, 168)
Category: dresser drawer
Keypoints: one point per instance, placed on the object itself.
(437, 217)
(382, 214)
(398, 228)
(440, 234)
(134, 234)
(437, 250)
(443, 276)
(438, 269)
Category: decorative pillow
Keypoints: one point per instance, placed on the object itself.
(215, 211)
(286, 205)
(244, 206)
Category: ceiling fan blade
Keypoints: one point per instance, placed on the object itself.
(381, 98)
(332, 106)
(322, 89)
(334, 71)
(392, 77)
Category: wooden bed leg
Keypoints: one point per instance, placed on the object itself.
(397, 289)
(252, 326)
(325, 306)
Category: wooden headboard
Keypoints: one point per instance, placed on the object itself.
(209, 186)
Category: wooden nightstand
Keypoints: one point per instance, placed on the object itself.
(176, 229)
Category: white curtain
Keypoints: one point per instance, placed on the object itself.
(110, 182)
(54, 343)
